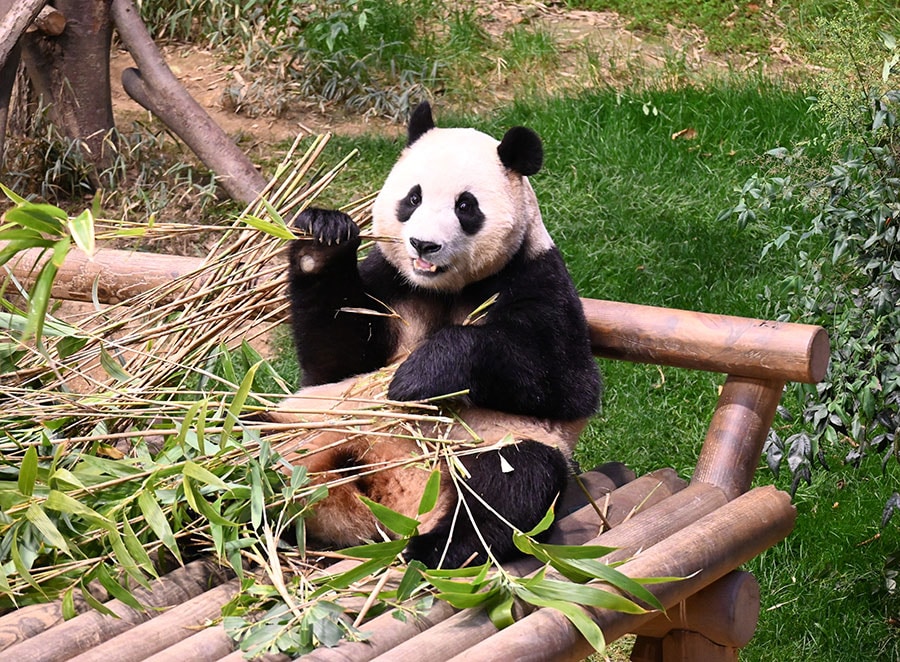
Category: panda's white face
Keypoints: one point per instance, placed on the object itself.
(458, 215)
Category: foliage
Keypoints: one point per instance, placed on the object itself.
(847, 273)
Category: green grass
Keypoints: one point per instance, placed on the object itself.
(744, 26)
(634, 211)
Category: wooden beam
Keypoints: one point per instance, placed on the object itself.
(722, 343)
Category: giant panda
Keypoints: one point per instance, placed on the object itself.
(463, 293)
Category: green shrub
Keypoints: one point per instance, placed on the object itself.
(847, 268)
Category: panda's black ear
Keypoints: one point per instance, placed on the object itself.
(521, 151)
(420, 122)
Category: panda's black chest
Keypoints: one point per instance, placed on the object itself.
(418, 316)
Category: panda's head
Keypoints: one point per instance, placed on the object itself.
(458, 205)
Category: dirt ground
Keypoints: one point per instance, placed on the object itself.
(618, 49)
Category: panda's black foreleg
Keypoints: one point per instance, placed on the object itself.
(521, 496)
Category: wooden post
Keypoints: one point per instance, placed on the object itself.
(700, 553)
(736, 434)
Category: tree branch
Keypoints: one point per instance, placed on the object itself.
(156, 88)
(13, 24)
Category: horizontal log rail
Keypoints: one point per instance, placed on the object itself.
(625, 331)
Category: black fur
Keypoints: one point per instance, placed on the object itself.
(521, 151)
(522, 497)
(471, 218)
(420, 122)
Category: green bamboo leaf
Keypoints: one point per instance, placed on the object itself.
(226, 367)
(12, 195)
(501, 612)
(156, 520)
(396, 522)
(430, 493)
(204, 475)
(48, 529)
(279, 231)
(578, 617)
(60, 251)
(14, 247)
(64, 503)
(16, 234)
(21, 567)
(575, 551)
(65, 477)
(189, 495)
(112, 367)
(237, 404)
(81, 228)
(450, 586)
(376, 550)
(45, 219)
(115, 589)
(68, 604)
(544, 524)
(470, 600)
(592, 596)
(136, 549)
(123, 557)
(257, 497)
(411, 580)
(28, 471)
(345, 579)
(95, 604)
(39, 300)
(610, 575)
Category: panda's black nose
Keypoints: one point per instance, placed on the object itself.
(424, 247)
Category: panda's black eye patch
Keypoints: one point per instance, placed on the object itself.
(408, 205)
(470, 216)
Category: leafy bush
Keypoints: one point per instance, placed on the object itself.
(847, 274)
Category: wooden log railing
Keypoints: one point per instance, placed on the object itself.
(703, 531)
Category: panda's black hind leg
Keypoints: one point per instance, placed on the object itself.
(521, 496)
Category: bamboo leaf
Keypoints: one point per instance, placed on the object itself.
(68, 604)
(21, 567)
(257, 497)
(136, 549)
(48, 529)
(280, 231)
(115, 589)
(377, 550)
(500, 612)
(411, 580)
(112, 367)
(396, 522)
(544, 524)
(123, 557)
(12, 195)
(577, 616)
(156, 520)
(64, 503)
(204, 475)
(28, 471)
(237, 404)
(430, 493)
(81, 228)
(39, 300)
(582, 594)
(46, 219)
(95, 603)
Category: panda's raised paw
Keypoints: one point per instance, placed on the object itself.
(327, 227)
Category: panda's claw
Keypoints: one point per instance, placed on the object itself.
(327, 228)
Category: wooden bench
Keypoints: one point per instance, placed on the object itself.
(701, 529)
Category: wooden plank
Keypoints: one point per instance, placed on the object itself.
(91, 628)
(165, 630)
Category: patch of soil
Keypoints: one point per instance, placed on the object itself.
(619, 57)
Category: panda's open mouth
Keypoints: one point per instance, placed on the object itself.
(425, 267)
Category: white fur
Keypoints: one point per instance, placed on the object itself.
(446, 163)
